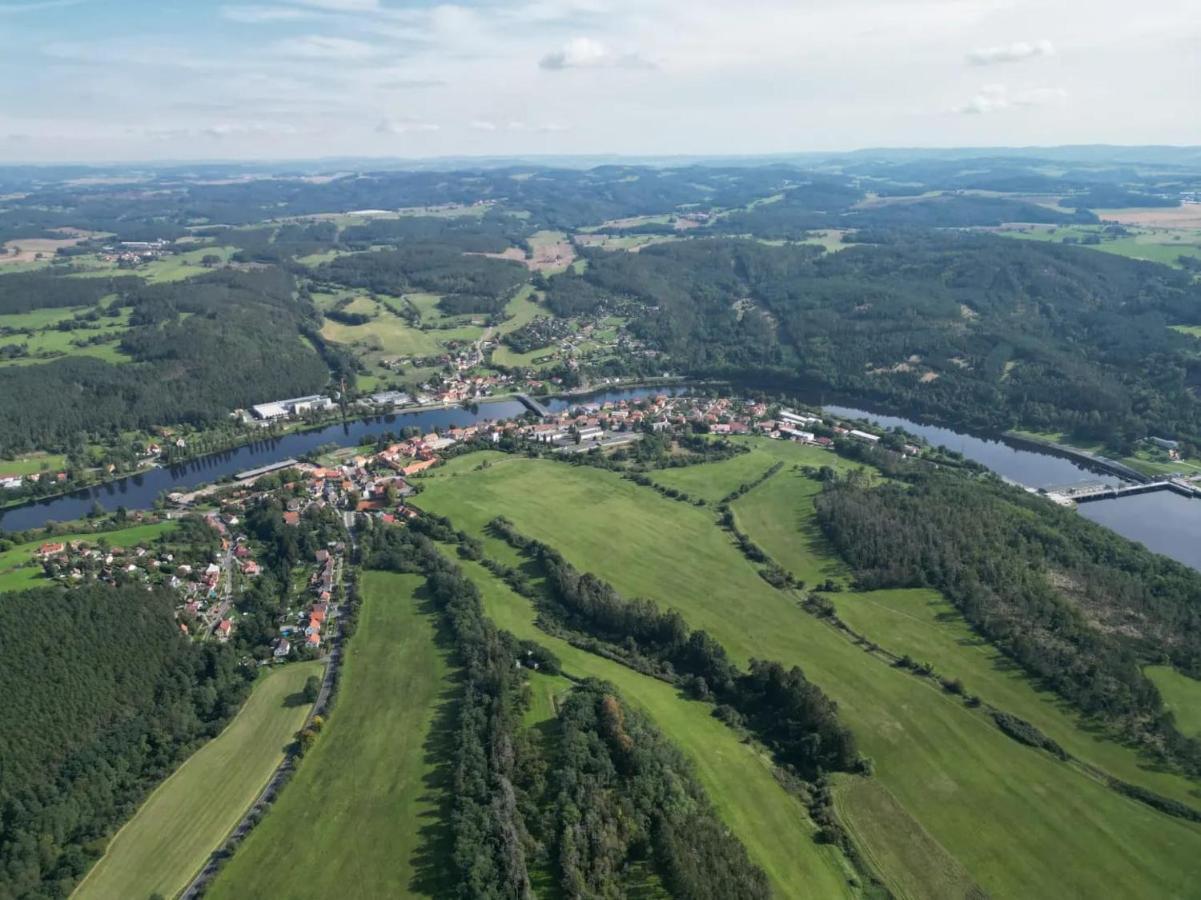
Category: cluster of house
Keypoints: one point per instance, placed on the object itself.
(16, 482)
(134, 252)
(198, 581)
(614, 423)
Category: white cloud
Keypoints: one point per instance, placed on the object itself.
(483, 125)
(404, 126)
(340, 5)
(320, 46)
(256, 15)
(1006, 53)
(36, 5)
(993, 98)
(587, 53)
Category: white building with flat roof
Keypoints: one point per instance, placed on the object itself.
(294, 407)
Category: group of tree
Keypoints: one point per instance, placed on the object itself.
(468, 283)
(620, 798)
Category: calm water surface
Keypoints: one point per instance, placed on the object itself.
(1165, 522)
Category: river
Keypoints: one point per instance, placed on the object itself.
(1162, 521)
(1165, 522)
(140, 491)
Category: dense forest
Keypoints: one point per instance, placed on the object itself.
(972, 329)
(621, 794)
(1080, 608)
(468, 283)
(199, 348)
(104, 697)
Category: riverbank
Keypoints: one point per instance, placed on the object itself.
(143, 490)
(273, 433)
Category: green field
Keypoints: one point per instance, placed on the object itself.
(986, 799)
(32, 463)
(1181, 695)
(386, 335)
(1161, 245)
(38, 318)
(174, 267)
(925, 626)
(189, 815)
(521, 310)
(19, 569)
(712, 481)
(778, 515)
(772, 823)
(362, 815)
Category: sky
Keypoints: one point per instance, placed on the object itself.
(112, 80)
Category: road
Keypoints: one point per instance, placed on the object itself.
(262, 802)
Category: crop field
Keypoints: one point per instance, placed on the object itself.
(362, 816)
(19, 568)
(772, 823)
(980, 795)
(1181, 695)
(553, 252)
(188, 816)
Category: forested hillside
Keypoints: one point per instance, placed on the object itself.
(199, 349)
(971, 329)
(104, 696)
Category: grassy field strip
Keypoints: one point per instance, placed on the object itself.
(189, 815)
(772, 823)
(925, 626)
(919, 867)
(985, 798)
(1181, 695)
(362, 815)
(778, 515)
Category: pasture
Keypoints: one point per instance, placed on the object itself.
(363, 815)
(976, 792)
(924, 625)
(189, 815)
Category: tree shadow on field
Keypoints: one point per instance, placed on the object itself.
(294, 700)
(434, 876)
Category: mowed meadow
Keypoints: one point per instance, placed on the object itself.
(953, 800)
(190, 814)
(365, 814)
